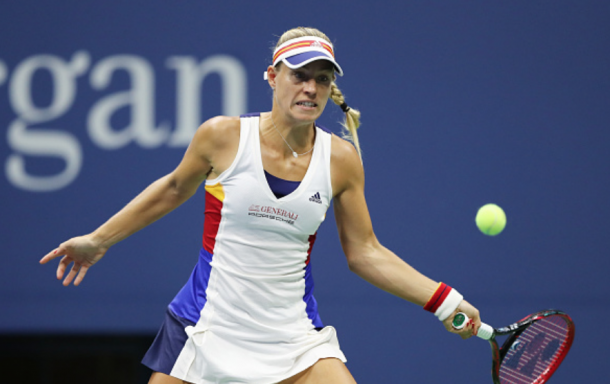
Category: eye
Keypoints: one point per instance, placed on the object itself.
(299, 75)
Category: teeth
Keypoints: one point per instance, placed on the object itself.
(307, 103)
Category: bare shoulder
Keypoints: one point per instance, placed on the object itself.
(217, 141)
(345, 164)
(218, 130)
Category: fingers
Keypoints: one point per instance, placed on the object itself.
(475, 322)
(81, 275)
(61, 267)
(51, 255)
(466, 332)
(73, 251)
(469, 330)
(77, 271)
(75, 268)
(471, 327)
(477, 325)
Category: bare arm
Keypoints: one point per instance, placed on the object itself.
(366, 256)
(157, 200)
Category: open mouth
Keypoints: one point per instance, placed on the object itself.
(308, 104)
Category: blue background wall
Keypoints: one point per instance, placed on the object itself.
(463, 103)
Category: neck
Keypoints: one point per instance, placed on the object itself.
(292, 139)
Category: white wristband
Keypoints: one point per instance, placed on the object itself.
(452, 301)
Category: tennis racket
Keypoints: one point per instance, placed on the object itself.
(534, 349)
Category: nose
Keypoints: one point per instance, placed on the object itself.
(310, 87)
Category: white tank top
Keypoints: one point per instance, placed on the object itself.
(256, 323)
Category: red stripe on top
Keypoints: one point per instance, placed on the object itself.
(437, 298)
(213, 206)
(312, 239)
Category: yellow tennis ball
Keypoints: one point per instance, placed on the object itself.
(491, 219)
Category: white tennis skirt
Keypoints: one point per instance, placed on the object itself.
(220, 355)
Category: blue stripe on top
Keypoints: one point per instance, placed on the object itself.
(251, 114)
(189, 302)
(310, 301)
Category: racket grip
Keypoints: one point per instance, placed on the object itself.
(485, 332)
(461, 319)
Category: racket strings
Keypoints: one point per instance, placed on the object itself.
(535, 352)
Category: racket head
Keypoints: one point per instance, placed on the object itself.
(534, 349)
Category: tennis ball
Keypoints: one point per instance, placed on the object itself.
(491, 219)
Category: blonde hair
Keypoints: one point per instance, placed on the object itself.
(352, 116)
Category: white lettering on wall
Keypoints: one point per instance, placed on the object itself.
(190, 76)
(29, 134)
(3, 72)
(139, 99)
(43, 141)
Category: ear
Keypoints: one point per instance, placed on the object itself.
(271, 75)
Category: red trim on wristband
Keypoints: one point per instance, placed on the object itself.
(433, 299)
(438, 297)
(441, 299)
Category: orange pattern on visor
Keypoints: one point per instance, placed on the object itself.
(302, 44)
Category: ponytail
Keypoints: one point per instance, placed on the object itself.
(352, 117)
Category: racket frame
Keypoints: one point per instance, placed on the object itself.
(514, 331)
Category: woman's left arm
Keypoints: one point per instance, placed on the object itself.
(367, 257)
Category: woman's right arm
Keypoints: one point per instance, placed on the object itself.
(157, 200)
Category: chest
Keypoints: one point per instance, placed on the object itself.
(250, 203)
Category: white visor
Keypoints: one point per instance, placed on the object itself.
(298, 52)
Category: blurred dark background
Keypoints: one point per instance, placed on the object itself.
(463, 104)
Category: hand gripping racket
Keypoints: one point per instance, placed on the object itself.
(533, 350)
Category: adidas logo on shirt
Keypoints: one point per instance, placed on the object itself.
(316, 198)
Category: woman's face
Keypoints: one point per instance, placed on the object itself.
(302, 93)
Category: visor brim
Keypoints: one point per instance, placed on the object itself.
(301, 59)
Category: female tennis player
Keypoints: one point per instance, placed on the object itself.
(247, 313)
